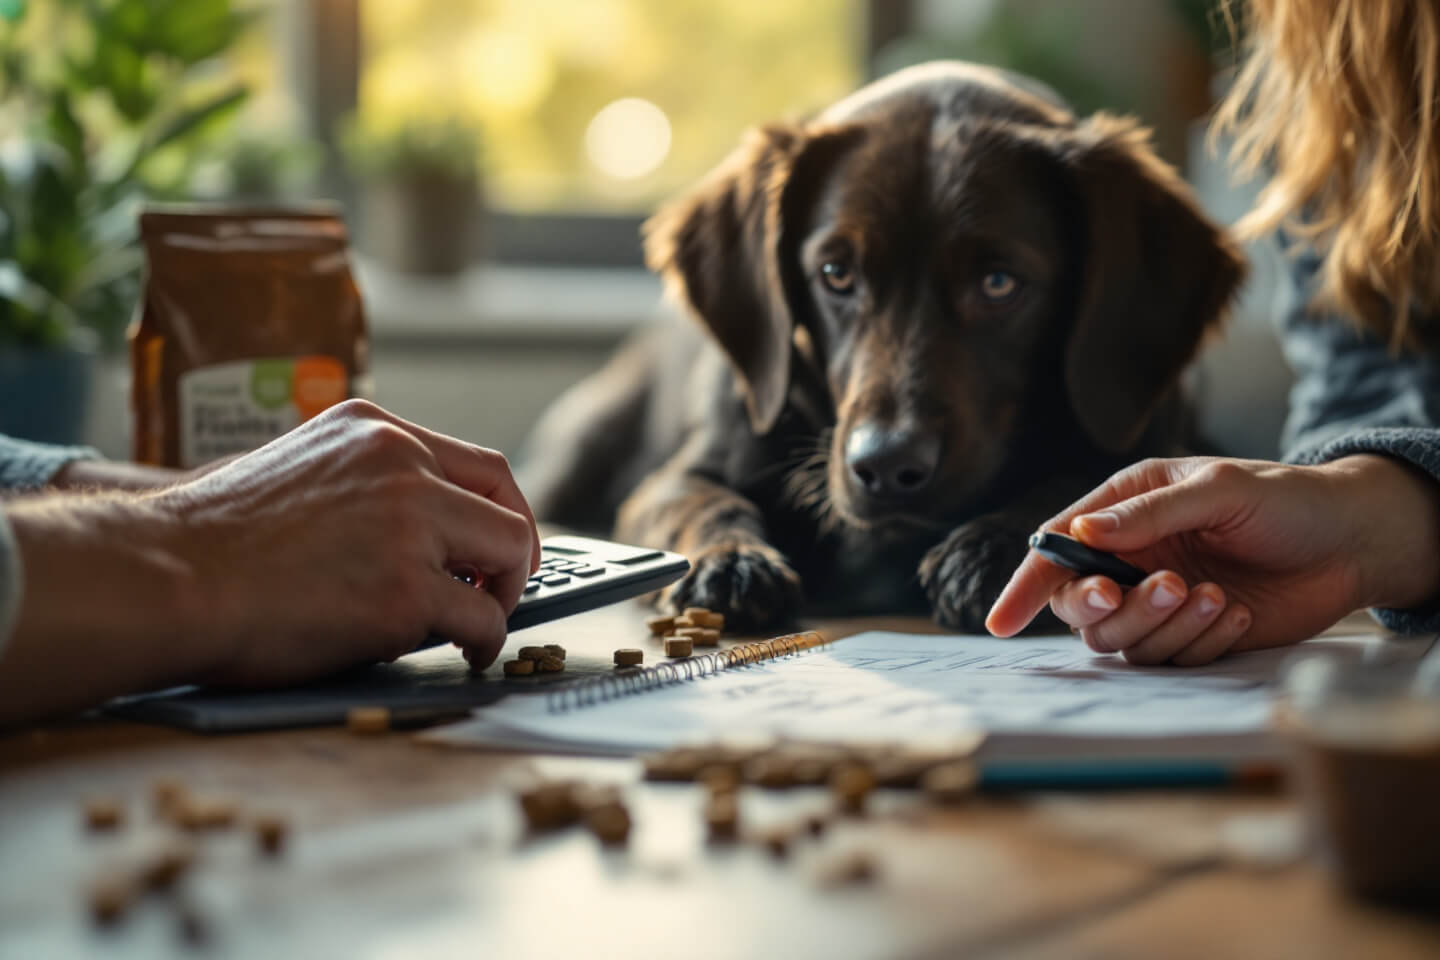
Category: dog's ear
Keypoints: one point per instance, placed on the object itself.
(1156, 275)
(722, 246)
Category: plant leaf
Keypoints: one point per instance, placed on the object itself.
(182, 124)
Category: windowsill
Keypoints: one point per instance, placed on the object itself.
(508, 303)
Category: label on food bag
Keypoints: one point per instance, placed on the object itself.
(234, 407)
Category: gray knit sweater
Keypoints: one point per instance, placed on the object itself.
(23, 466)
(1353, 395)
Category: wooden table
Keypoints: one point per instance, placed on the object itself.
(400, 849)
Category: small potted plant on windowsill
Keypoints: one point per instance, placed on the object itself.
(119, 122)
(423, 201)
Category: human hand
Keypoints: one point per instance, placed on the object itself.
(1244, 554)
(333, 546)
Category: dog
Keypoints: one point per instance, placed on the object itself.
(928, 319)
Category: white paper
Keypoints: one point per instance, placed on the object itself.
(893, 687)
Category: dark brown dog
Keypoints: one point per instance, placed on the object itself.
(937, 314)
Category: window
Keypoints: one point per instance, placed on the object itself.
(605, 106)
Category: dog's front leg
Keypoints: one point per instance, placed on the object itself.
(733, 569)
(964, 574)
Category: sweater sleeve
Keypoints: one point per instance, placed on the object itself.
(1354, 395)
(29, 466)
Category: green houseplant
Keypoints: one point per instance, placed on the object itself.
(423, 197)
(103, 108)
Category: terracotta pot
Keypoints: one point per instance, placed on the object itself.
(425, 225)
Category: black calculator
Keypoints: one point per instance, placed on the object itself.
(578, 574)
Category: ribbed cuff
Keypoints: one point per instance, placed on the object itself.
(29, 466)
(1421, 449)
(11, 582)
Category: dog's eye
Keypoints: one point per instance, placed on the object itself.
(997, 286)
(837, 276)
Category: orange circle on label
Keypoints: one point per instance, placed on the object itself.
(319, 383)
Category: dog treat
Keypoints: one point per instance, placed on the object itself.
(104, 815)
(555, 650)
(676, 766)
(629, 657)
(531, 653)
(696, 614)
(815, 824)
(549, 664)
(708, 637)
(166, 794)
(519, 668)
(659, 626)
(165, 869)
(199, 813)
(950, 783)
(367, 721)
(682, 623)
(270, 835)
(716, 621)
(719, 778)
(610, 823)
(110, 897)
(191, 926)
(777, 841)
(848, 870)
(774, 771)
(550, 806)
(851, 784)
(679, 646)
(701, 617)
(722, 818)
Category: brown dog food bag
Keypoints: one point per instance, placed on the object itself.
(251, 324)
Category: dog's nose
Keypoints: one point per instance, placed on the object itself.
(891, 463)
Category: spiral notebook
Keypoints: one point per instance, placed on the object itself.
(1029, 697)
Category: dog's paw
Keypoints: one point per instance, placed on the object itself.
(964, 574)
(752, 584)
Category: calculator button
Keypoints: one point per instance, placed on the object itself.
(565, 566)
(554, 579)
(587, 571)
(531, 586)
(552, 562)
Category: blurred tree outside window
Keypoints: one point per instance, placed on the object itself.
(604, 106)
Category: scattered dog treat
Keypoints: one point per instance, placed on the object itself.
(629, 657)
(610, 822)
(950, 783)
(690, 632)
(679, 647)
(199, 814)
(104, 815)
(167, 794)
(549, 806)
(719, 778)
(549, 664)
(270, 835)
(532, 653)
(659, 626)
(851, 784)
(367, 721)
(708, 638)
(191, 926)
(110, 897)
(519, 668)
(777, 842)
(816, 825)
(555, 650)
(701, 617)
(679, 765)
(164, 870)
(848, 870)
(682, 623)
(773, 771)
(695, 614)
(722, 818)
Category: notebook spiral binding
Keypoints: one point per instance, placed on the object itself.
(624, 683)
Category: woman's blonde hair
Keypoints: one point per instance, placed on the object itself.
(1335, 102)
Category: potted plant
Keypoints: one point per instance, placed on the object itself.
(106, 120)
(423, 197)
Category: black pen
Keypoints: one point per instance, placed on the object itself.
(1086, 561)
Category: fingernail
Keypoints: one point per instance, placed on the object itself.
(1164, 597)
(1097, 600)
(1207, 605)
(1102, 521)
